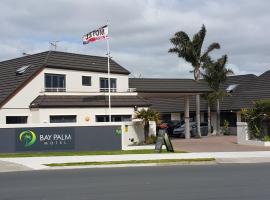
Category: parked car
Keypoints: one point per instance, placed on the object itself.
(171, 125)
(179, 131)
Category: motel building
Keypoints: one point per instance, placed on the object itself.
(58, 87)
(51, 88)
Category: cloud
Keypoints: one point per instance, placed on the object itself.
(140, 31)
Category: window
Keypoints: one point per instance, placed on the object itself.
(55, 83)
(231, 88)
(22, 69)
(63, 118)
(86, 80)
(16, 119)
(104, 84)
(115, 118)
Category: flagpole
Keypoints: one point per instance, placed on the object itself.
(109, 78)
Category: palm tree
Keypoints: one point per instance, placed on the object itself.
(191, 51)
(215, 74)
(147, 115)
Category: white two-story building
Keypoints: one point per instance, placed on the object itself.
(58, 87)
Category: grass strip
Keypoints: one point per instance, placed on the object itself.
(81, 153)
(160, 161)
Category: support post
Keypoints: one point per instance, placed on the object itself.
(187, 129)
(198, 115)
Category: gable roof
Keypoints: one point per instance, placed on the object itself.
(156, 85)
(11, 83)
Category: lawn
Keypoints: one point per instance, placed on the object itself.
(80, 153)
(160, 161)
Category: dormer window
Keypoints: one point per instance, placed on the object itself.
(231, 88)
(22, 69)
(55, 83)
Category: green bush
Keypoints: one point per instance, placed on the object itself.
(151, 140)
(255, 118)
(226, 125)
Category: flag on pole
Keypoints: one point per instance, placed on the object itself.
(99, 34)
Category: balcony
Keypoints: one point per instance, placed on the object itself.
(93, 90)
(55, 90)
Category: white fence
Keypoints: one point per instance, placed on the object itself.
(243, 136)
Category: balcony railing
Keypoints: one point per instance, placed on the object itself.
(55, 89)
(97, 90)
(107, 90)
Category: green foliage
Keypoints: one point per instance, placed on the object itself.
(226, 125)
(215, 73)
(255, 116)
(147, 115)
(266, 138)
(151, 140)
(191, 50)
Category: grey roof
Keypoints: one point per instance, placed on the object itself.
(152, 85)
(64, 101)
(250, 88)
(176, 104)
(258, 89)
(10, 82)
(74, 61)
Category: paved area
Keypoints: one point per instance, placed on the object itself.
(213, 144)
(6, 166)
(223, 148)
(206, 182)
(38, 163)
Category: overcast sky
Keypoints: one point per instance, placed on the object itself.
(140, 31)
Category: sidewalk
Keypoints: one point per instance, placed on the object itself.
(37, 163)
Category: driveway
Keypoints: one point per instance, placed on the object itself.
(213, 144)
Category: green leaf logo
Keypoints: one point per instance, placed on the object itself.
(118, 131)
(28, 138)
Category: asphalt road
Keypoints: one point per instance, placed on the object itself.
(217, 182)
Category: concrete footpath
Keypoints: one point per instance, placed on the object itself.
(38, 163)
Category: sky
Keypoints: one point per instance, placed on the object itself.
(140, 31)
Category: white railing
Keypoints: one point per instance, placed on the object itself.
(93, 90)
(55, 90)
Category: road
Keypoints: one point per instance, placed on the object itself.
(226, 181)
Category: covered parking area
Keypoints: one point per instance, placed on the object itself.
(172, 88)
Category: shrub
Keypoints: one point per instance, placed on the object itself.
(257, 118)
(151, 140)
(226, 125)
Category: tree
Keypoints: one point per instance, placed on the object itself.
(147, 115)
(191, 51)
(215, 74)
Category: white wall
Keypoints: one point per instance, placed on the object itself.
(243, 136)
(14, 112)
(19, 104)
(73, 83)
(82, 113)
(74, 80)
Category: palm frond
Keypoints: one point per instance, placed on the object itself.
(210, 48)
(198, 39)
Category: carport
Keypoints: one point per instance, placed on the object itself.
(171, 88)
